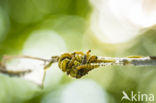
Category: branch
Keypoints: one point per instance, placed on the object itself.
(104, 61)
(4, 70)
(13, 73)
(78, 64)
(134, 60)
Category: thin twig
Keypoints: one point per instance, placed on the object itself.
(13, 73)
(137, 61)
(81, 69)
(4, 70)
(5, 58)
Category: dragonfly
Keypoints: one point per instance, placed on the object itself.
(77, 64)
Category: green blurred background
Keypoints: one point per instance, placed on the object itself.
(45, 28)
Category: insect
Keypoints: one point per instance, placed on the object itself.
(77, 64)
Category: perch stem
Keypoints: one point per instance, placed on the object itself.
(105, 61)
(5, 58)
(140, 61)
(4, 70)
(13, 73)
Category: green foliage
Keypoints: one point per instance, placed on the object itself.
(69, 19)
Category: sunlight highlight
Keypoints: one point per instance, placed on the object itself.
(118, 21)
(44, 44)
